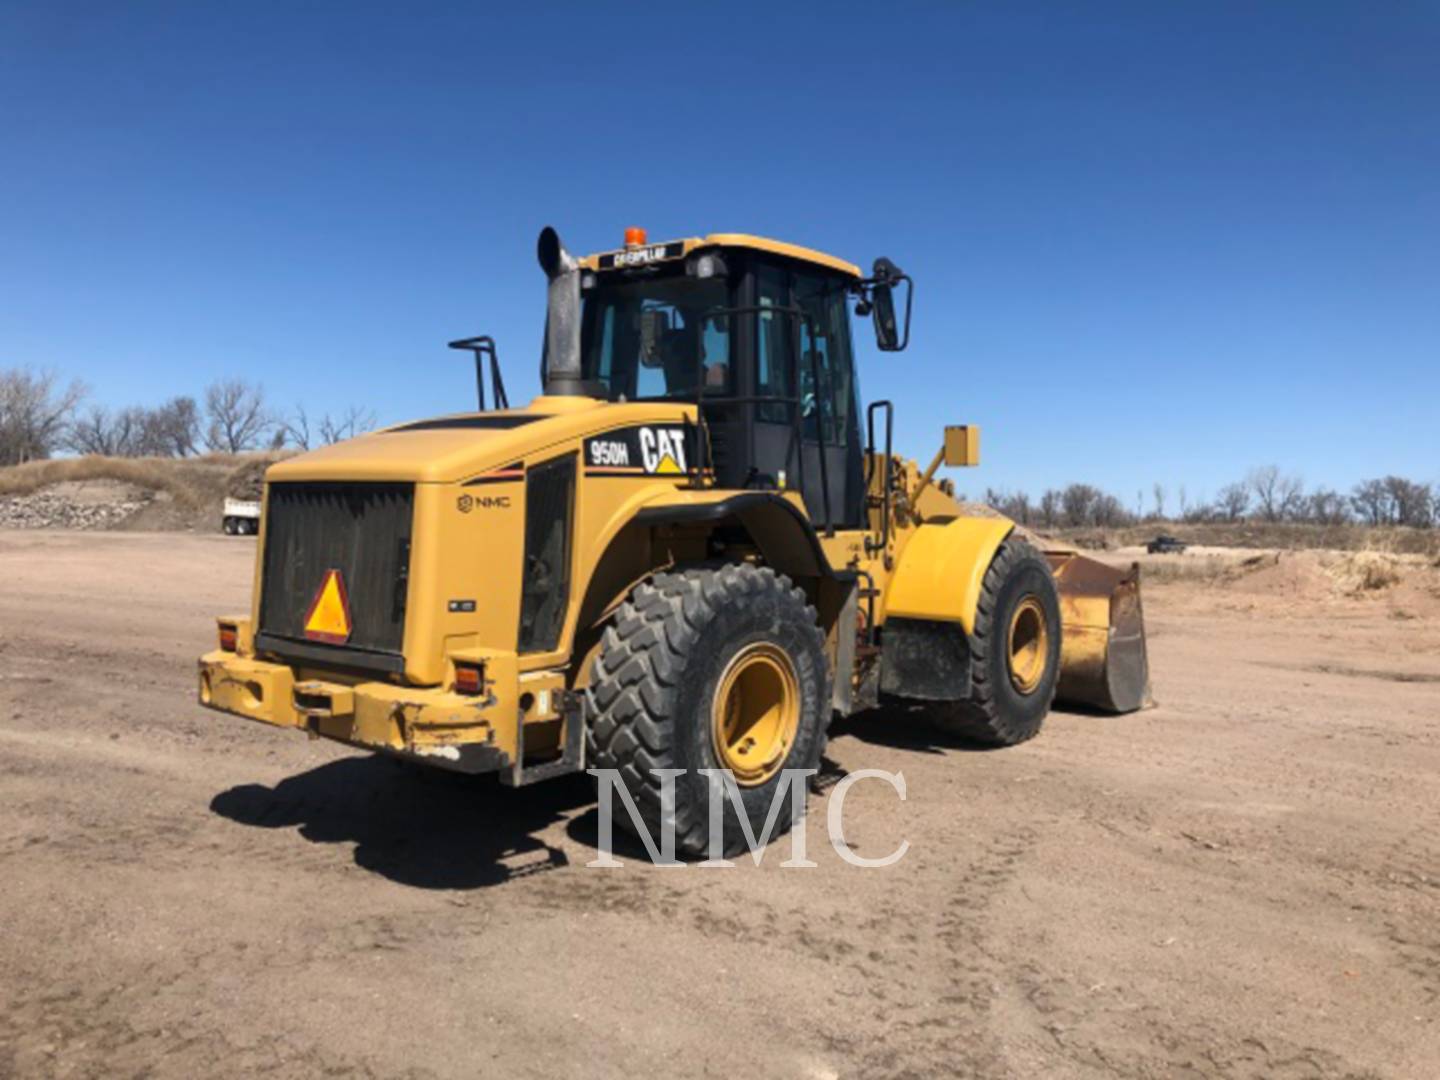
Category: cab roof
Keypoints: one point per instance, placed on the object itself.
(673, 249)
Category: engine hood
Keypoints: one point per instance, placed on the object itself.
(449, 449)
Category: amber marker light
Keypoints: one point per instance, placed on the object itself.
(467, 679)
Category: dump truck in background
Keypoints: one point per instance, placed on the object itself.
(689, 553)
(240, 517)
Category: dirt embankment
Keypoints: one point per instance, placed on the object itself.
(144, 494)
(1400, 586)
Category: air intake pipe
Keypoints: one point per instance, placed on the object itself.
(561, 364)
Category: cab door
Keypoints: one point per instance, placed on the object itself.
(810, 365)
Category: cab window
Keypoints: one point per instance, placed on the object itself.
(650, 338)
(824, 348)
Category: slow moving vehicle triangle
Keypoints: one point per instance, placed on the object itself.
(329, 616)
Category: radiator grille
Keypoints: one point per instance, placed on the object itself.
(545, 588)
(362, 530)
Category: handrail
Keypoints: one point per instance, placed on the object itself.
(484, 346)
(870, 470)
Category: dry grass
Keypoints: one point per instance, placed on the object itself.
(193, 483)
(1281, 536)
(1196, 568)
(1366, 571)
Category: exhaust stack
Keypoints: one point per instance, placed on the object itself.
(562, 318)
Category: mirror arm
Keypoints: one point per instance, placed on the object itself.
(925, 480)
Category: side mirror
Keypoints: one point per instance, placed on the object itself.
(891, 335)
(654, 325)
(887, 334)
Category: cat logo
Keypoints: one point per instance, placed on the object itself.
(662, 450)
(639, 451)
(641, 256)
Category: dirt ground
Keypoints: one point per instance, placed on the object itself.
(1243, 881)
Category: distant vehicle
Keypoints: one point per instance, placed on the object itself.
(1165, 545)
(242, 517)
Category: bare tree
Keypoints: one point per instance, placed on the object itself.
(1078, 504)
(1015, 506)
(100, 431)
(34, 414)
(1232, 501)
(1108, 512)
(1371, 500)
(1277, 495)
(1413, 503)
(236, 414)
(90, 434)
(296, 428)
(173, 429)
(1292, 498)
(166, 431)
(1326, 507)
(1159, 492)
(353, 421)
(1050, 508)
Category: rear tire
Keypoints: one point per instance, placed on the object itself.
(228, 526)
(691, 663)
(1015, 652)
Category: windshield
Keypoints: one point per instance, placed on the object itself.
(649, 337)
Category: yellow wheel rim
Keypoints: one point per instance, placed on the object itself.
(1028, 645)
(756, 713)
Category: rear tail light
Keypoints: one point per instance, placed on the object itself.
(468, 679)
(229, 637)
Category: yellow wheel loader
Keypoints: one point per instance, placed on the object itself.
(686, 555)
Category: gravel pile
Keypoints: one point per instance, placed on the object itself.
(94, 505)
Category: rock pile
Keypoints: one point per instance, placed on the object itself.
(90, 505)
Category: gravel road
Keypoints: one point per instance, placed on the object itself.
(1242, 882)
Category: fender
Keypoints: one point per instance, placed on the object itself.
(941, 570)
(781, 531)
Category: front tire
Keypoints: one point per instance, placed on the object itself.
(710, 668)
(1015, 652)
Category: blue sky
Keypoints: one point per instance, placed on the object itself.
(1152, 241)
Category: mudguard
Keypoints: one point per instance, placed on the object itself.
(941, 569)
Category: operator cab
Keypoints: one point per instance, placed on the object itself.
(756, 332)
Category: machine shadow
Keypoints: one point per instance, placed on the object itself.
(430, 829)
(416, 826)
(902, 727)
